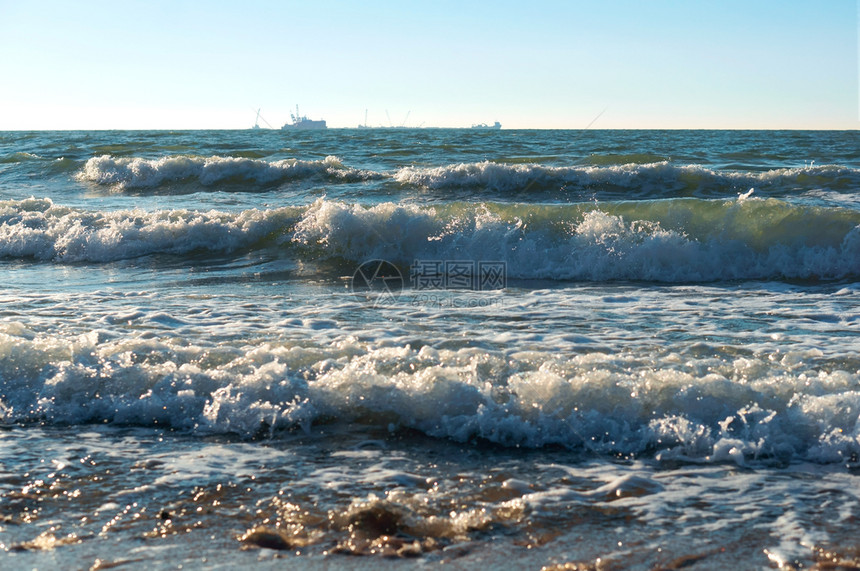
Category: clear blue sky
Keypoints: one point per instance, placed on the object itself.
(545, 64)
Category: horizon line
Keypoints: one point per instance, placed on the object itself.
(362, 128)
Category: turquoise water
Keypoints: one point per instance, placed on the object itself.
(476, 347)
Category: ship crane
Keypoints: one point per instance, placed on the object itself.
(257, 121)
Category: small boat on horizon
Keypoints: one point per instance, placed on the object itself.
(302, 122)
(495, 125)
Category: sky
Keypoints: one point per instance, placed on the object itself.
(611, 64)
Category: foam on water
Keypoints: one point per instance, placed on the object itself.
(731, 409)
(664, 241)
(652, 179)
(636, 179)
(39, 229)
(136, 173)
(682, 240)
(225, 387)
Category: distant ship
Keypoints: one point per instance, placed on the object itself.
(495, 125)
(302, 122)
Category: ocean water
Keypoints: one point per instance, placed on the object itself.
(503, 349)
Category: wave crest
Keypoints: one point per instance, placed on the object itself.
(39, 229)
(685, 240)
(616, 404)
(681, 240)
(654, 180)
(131, 173)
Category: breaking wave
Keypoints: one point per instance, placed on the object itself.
(38, 229)
(139, 173)
(631, 180)
(680, 240)
(652, 180)
(746, 407)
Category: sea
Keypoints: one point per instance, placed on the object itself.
(370, 348)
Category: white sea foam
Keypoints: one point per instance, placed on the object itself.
(500, 176)
(688, 240)
(656, 179)
(607, 403)
(133, 173)
(39, 229)
(683, 241)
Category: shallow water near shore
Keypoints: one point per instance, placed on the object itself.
(360, 498)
